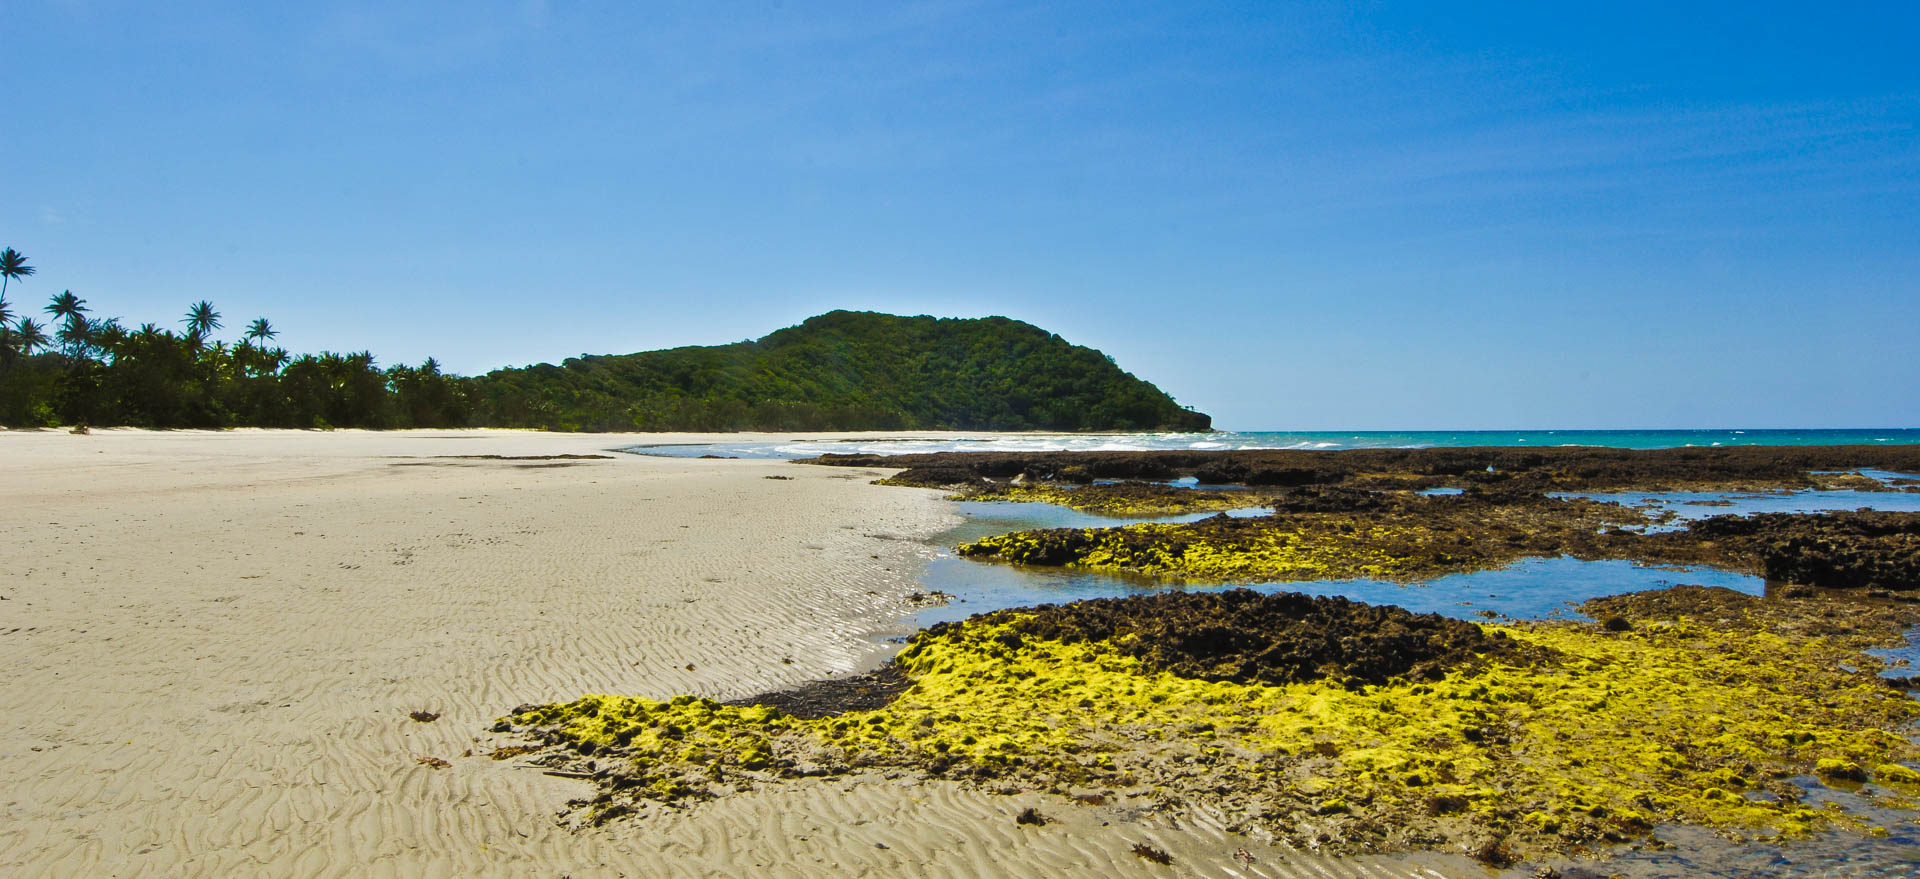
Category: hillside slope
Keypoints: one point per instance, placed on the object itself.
(841, 371)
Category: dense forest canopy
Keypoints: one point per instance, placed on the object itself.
(839, 371)
(842, 370)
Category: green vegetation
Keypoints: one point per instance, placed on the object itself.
(838, 371)
(842, 370)
(95, 371)
(1616, 733)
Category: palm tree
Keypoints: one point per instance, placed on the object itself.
(71, 310)
(66, 306)
(106, 334)
(30, 336)
(77, 334)
(260, 330)
(13, 264)
(202, 319)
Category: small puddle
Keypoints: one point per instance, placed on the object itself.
(1903, 661)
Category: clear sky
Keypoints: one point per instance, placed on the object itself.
(1292, 216)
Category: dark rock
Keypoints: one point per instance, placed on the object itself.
(1243, 636)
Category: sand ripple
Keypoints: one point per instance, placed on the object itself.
(213, 643)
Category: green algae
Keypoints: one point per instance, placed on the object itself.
(1671, 722)
(1130, 499)
(1315, 551)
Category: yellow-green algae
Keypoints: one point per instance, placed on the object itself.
(1124, 500)
(1172, 550)
(1670, 722)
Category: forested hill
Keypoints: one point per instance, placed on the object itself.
(842, 370)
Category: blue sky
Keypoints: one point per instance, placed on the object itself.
(1293, 216)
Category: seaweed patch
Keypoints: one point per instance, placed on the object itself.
(1521, 740)
(1127, 499)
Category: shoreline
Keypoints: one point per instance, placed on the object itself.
(216, 639)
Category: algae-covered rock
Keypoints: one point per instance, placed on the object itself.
(1568, 737)
(1244, 636)
(1838, 768)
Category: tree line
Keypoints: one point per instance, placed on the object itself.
(837, 371)
(79, 368)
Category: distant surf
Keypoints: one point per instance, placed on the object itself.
(1350, 439)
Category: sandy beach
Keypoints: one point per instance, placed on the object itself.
(214, 642)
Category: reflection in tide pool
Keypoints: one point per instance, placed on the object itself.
(1690, 506)
(1536, 588)
(1539, 588)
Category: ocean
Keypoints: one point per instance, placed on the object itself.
(1332, 439)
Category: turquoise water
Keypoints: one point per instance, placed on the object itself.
(1351, 439)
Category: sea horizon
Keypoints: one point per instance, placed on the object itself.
(1331, 440)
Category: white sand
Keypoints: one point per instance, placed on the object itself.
(211, 643)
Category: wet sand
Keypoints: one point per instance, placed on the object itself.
(214, 641)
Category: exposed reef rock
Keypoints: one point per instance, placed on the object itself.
(1519, 741)
(817, 699)
(1243, 636)
(1122, 499)
(1332, 725)
(1317, 534)
(1356, 518)
(1528, 470)
(1404, 539)
(1862, 550)
(1836, 617)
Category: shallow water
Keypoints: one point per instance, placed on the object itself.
(986, 518)
(1903, 661)
(1691, 506)
(1693, 852)
(1341, 439)
(1538, 588)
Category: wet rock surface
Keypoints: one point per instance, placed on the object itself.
(828, 698)
(1530, 470)
(1840, 617)
(1861, 550)
(1332, 725)
(1118, 499)
(1245, 637)
(1707, 708)
(1322, 532)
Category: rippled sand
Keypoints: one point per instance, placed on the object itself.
(212, 643)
